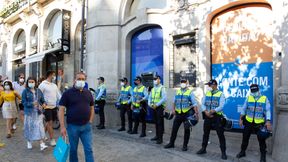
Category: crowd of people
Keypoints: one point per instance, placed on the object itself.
(32, 102)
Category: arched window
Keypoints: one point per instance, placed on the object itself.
(147, 51)
(55, 28)
(19, 43)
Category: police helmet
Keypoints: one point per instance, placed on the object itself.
(263, 133)
(168, 115)
(190, 122)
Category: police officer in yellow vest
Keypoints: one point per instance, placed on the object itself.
(139, 106)
(184, 105)
(157, 101)
(212, 110)
(124, 99)
(255, 113)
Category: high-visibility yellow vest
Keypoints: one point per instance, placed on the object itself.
(212, 101)
(125, 94)
(255, 109)
(182, 101)
(156, 95)
(138, 94)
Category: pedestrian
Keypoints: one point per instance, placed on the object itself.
(157, 101)
(212, 110)
(19, 86)
(185, 105)
(256, 113)
(33, 102)
(101, 101)
(139, 106)
(9, 108)
(52, 96)
(124, 99)
(79, 106)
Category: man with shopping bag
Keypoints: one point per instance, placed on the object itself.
(79, 106)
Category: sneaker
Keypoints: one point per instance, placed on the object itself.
(29, 145)
(53, 142)
(43, 146)
(14, 127)
(46, 138)
(154, 138)
(169, 145)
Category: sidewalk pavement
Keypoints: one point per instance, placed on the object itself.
(113, 146)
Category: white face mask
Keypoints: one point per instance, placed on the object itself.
(7, 87)
(255, 94)
(183, 85)
(80, 84)
(122, 84)
(209, 89)
(31, 85)
(21, 80)
(53, 78)
(155, 82)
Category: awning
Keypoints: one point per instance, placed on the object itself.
(39, 56)
(17, 59)
(34, 58)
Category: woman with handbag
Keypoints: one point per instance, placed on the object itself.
(33, 102)
(9, 108)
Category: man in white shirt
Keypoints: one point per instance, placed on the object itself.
(52, 96)
(19, 86)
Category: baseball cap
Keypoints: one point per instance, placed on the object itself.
(138, 78)
(156, 77)
(254, 88)
(212, 82)
(124, 79)
(101, 78)
(183, 80)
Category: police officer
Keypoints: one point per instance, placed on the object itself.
(184, 105)
(212, 105)
(139, 106)
(255, 113)
(124, 99)
(100, 100)
(157, 101)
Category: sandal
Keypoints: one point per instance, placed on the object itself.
(8, 136)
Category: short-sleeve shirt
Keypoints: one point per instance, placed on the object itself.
(77, 105)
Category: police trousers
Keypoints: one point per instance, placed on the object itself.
(179, 119)
(214, 123)
(159, 121)
(247, 131)
(126, 108)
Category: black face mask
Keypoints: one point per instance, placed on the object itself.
(135, 83)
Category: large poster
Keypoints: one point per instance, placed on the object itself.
(242, 54)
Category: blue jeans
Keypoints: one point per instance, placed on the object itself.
(84, 132)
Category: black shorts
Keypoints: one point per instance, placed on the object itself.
(51, 114)
(21, 107)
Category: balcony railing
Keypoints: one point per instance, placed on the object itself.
(12, 8)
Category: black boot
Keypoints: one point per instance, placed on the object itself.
(202, 151)
(142, 134)
(169, 145)
(121, 129)
(224, 156)
(98, 125)
(101, 127)
(154, 138)
(241, 154)
(263, 157)
(184, 148)
(129, 131)
(159, 141)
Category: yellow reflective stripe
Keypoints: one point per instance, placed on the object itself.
(218, 94)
